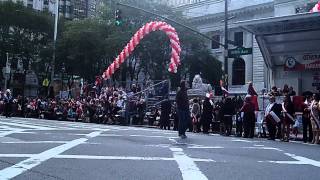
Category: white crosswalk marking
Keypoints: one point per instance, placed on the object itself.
(188, 168)
(37, 159)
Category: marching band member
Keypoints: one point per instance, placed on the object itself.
(249, 118)
(272, 116)
(306, 122)
(288, 117)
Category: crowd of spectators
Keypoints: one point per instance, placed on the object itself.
(118, 105)
(97, 105)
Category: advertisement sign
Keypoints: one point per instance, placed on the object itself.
(302, 63)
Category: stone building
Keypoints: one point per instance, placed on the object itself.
(208, 17)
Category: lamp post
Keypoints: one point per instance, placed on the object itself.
(54, 40)
(63, 70)
(226, 73)
(7, 71)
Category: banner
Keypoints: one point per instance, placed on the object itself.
(307, 62)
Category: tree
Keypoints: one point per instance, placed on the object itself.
(94, 43)
(24, 32)
(81, 47)
(154, 51)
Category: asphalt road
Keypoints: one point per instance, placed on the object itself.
(43, 149)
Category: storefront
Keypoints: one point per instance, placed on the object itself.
(290, 46)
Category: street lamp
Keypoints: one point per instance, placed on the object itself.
(54, 39)
(63, 70)
(226, 47)
(7, 71)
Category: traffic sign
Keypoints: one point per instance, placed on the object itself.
(239, 51)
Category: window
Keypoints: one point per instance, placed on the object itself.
(238, 38)
(215, 44)
(238, 72)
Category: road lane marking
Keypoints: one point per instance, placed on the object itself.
(188, 168)
(263, 148)
(3, 134)
(205, 147)
(300, 160)
(258, 145)
(285, 162)
(113, 158)
(16, 155)
(111, 135)
(25, 126)
(243, 140)
(304, 160)
(41, 142)
(21, 167)
(92, 157)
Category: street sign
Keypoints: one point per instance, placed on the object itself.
(239, 51)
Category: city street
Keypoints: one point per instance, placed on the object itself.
(42, 149)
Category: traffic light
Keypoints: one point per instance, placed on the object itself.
(118, 17)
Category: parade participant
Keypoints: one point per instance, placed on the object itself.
(140, 109)
(228, 110)
(165, 114)
(306, 123)
(272, 116)
(274, 91)
(7, 103)
(251, 90)
(288, 117)
(195, 114)
(285, 90)
(315, 122)
(206, 116)
(238, 102)
(183, 109)
(248, 117)
(291, 91)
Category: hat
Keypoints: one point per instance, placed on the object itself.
(8, 91)
(271, 96)
(209, 95)
(247, 98)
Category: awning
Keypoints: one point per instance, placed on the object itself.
(284, 36)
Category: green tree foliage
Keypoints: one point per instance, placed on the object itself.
(82, 47)
(24, 33)
(88, 46)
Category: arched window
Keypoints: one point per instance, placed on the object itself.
(238, 72)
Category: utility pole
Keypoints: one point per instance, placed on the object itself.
(6, 71)
(54, 40)
(226, 35)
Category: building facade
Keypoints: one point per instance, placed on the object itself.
(70, 9)
(208, 17)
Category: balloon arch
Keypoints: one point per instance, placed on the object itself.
(139, 35)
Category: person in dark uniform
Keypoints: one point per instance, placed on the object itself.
(7, 103)
(206, 116)
(306, 123)
(228, 110)
(248, 117)
(238, 102)
(165, 114)
(175, 118)
(288, 119)
(183, 109)
(272, 117)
